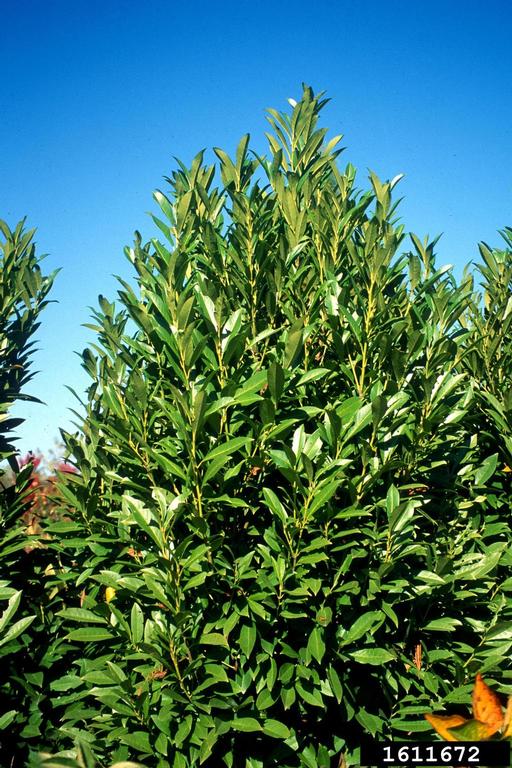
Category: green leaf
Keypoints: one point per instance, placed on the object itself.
(276, 729)
(195, 581)
(139, 740)
(316, 645)
(401, 515)
(156, 589)
(7, 718)
(275, 380)
(246, 724)
(274, 504)
(324, 616)
(116, 672)
(11, 609)
(81, 615)
(486, 563)
(271, 674)
(164, 204)
(247, 638)
(486, 470)
(324, 494)
(472, 730)
(217, 672)
(501, 631)
(256, 608)
(361, 626)
(392, 500)
(372, 723)
(310, 697)
(293, 344)
(362, 419)
(66, 683)
(264, 700)
(246, 393)
(373, 656)
(429, 577)
(207, 307)
(16, 629)
(335, 683)
(443, 625)
(162, 744)
(288, 697)
(89, 635)
(213, 638)
(226, 449)
(136, 624)
(313, 375)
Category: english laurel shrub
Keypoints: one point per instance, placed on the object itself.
(23, 295)
(291, 520)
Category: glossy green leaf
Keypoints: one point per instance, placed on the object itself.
(246, 724)
(213, 638)
(276, 729)
(316, 644)
(89, 635)
(444, 624)
(247, 638)
(373, 656)
(82, 615)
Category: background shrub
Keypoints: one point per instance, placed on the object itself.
(291, 520)
(23, 295)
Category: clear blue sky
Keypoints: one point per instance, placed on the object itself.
(97, 97)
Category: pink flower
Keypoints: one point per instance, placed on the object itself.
(30, 458)
(63, 466)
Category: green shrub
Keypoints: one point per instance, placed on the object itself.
(489, 356)
(291, 524)
(23, 292)
(79, 757)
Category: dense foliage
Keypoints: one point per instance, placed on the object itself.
(23, 292)
(290, 523)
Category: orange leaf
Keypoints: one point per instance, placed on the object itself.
(417, 656)
(442, 724)
(486, 706)
(507, 723)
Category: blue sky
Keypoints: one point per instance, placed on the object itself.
(97, 98)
